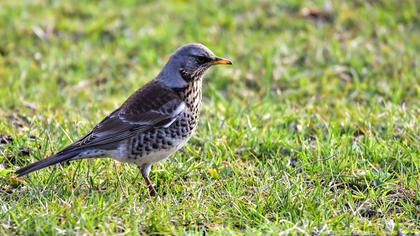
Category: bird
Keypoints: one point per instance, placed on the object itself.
(153, 123)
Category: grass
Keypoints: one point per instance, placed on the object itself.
(314, 130)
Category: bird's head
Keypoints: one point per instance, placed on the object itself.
(191, 61)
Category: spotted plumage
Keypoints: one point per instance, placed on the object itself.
(153, 122)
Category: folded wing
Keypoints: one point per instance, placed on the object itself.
(154, 105)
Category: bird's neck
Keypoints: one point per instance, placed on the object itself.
(191, 95)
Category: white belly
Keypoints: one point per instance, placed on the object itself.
(120, 154)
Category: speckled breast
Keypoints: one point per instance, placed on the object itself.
(158, 143)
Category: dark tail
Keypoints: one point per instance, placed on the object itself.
(49, 161)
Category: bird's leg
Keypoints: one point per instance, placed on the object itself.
(145, 170)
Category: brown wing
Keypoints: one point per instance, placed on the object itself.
(153, 105)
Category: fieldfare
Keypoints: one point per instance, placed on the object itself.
(153, 123)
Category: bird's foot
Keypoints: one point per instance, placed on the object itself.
(152, 191)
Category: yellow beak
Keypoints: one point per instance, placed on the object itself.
(221, 61)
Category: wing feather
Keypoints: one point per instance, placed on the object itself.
(154, 105)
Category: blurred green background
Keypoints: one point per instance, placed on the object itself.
(314, 129)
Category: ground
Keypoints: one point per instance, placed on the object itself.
(313, 130)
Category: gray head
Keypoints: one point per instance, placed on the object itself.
(187, 64)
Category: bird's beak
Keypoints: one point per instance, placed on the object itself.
(221, 61)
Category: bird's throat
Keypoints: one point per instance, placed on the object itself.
(191, 94)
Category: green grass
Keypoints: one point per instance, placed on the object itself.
(313, 130)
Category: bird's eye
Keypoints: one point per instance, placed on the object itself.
(202, 59)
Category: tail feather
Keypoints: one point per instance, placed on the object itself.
(49, 161)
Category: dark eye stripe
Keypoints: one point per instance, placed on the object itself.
(202, 59)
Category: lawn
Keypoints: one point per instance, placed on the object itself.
(313, 130)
